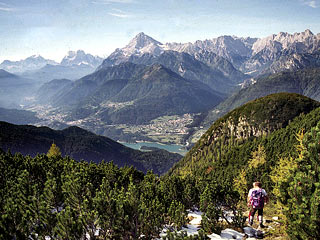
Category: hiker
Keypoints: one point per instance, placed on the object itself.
(257, 197)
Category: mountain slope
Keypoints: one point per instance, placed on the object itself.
(130, 93)
(234, 49)
(207, 68)
(138, 46)
(201, 65)
(250, 55)
(47, 91)
(305, 82)
(154, 92)
(14, 89)
(81, 144)
(15, 116)
(229, 143)
(87, 86)
(50, 72)
(294, 62)
(73, 66)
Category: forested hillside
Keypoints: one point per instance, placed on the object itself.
(81, 145)
(266, 127)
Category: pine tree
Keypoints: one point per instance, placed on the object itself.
(54, 151)
(298, 186)
(256, 164)
(177, 214)
(19, 215)
(212, 211)
(240, 185)
(48, 207)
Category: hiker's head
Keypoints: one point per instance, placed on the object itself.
(257, 184)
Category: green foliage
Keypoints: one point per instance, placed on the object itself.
(230, 158)
(237, 162)
(211, 206)
(54, 151)
(240, 185)
(211, 221)
(258, 158)
(298, 187)
(238, 219)
(177, 214)
(65, 199)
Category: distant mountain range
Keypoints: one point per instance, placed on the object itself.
(32, 63)
(81, 145)
(250, 55)
(73, 66)
(226, 46)
(147, 79)
(131, 93)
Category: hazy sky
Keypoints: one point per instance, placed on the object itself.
(53, 27)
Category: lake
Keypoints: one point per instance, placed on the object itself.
(169, 147)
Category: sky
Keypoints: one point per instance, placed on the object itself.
(51, 28)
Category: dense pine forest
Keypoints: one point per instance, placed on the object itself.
(58, 197)
(53, 196)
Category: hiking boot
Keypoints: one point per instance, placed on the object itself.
(261, 225)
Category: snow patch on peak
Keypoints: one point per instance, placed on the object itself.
(141, 41)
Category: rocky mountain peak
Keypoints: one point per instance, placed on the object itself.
(76, 53)
(142, 40)
(79, 57)
(308, 32)
(286, 41)
(36, 56)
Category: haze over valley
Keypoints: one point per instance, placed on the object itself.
(158, 92)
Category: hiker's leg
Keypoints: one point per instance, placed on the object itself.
(260, 217)
(251, 215)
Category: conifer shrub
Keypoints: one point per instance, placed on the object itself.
(297, 187)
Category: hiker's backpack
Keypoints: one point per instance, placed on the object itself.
(257, 199)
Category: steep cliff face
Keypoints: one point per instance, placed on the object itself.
(260, 117)
(244, 128)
